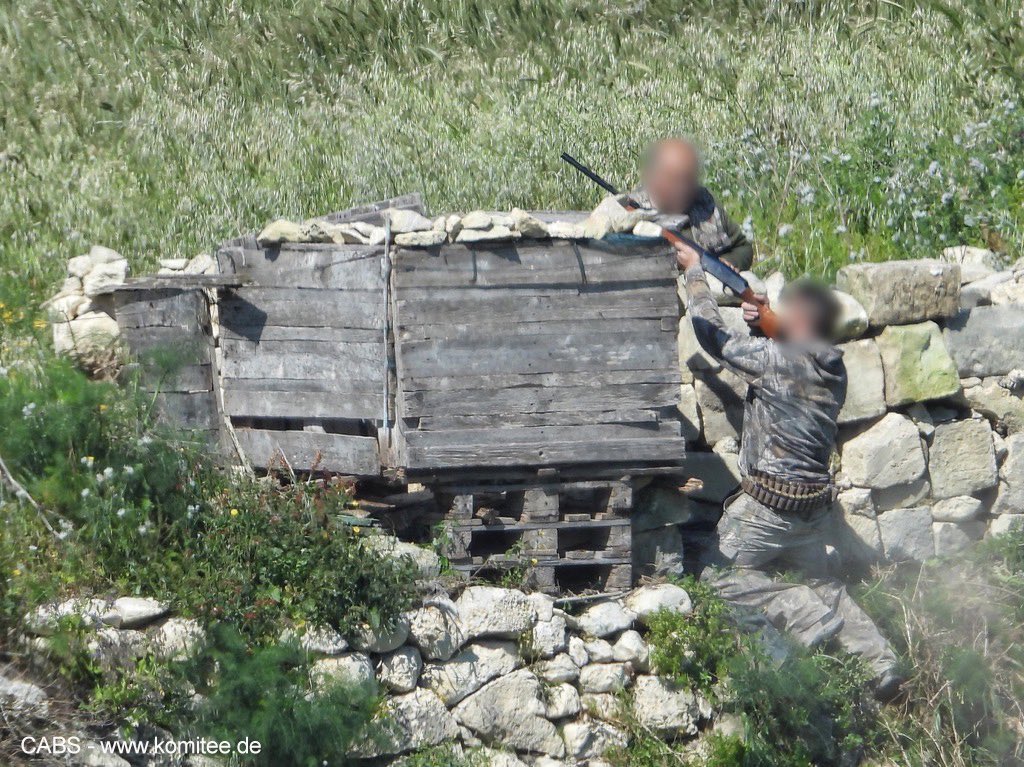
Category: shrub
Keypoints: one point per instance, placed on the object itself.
(693, 648)
(266, 695)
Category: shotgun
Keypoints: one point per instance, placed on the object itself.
(712, 264)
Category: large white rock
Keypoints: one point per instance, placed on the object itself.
(916, 363)
(1010, 499)
(647, 600)
(510, 711)
(865, 393)
(960, 508)
(853, 319)
(355, 669)
(495, 612)
(1005, 406)
(486, 235)
(280, 231)
(477, 219)
(578, 651)
(133, 612)
(403, 221)
(425, 239)
(436, 630)
(177, 638)
(907, 534)
(631, 648)
(967, 255)
(317, 640)
(21, 698)
(89, 613)
(381, 640)
(857, 537)
(399, 671)
(1006, 523)
(605, 618)
(561, 701)
(986, 341)
(721, 397)
(901, 292)
(1008, 292)
(962, 459)
(88, 332)
(979, 292)
(599, 651)
(203, 263)
(104, 275)
(886, 455)
(665, 708)
(549, 637)
(589, 740)
(528, 225)
(411, 722)
(427, 563)
(559, 669)
(951, 538)
(605, 677)
(469, 670)
(566, 230)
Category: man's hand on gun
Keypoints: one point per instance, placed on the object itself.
(687, 257)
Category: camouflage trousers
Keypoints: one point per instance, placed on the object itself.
(753, 540)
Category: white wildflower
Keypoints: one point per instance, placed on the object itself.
(875, 101)
(28, 409)
(970, 221)
(947, 198)
(86, 492)
(121, 512)
(919, 214)
(129, 470)
(1020, 175)
(785, 229)
(108, 472)
(748, 227)
(933, 168)
(840, 229)
(977, 165)
(845, 158)
(806, 193)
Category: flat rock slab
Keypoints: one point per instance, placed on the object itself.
(907, 534)
(865, 393)
(917, 365)
(903, 292)
(987, 340)
(962, 459)
(889, 454)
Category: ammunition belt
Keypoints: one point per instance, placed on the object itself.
(787, 497)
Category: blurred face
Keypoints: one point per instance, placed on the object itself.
(672, 176)
(798, 320)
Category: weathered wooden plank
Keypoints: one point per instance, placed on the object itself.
(473, 438)
(286, 333)
(648, 328)
(531, 256)
(586, 379)
(536, 400)
(296, 307)
(170, 307)
(366, 405)
(339, 387)
(347, 365)
(182, 343)
(545, 453)
(533, 354)
(619, 273)
(185, 379)
(513, 305)
(567, 418)
(340, 453)
(352, 267)
(193, 411)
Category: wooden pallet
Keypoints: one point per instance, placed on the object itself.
(563, 536)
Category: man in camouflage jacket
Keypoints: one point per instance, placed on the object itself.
(782, 517)
(672, 187)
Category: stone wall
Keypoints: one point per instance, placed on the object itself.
(493, 669)
(931, 453)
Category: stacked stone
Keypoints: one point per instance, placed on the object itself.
(410, 229)
(81, 313)
(932, 432)
(204, 263)
(500, 669)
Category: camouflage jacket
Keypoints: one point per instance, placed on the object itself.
(708, 225)
(794, 393)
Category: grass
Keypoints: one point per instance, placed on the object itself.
(160, 129)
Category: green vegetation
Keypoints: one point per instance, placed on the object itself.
(694, 648)
(263, 695)
(842, 130)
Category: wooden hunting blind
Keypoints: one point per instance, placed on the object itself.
(530, 361)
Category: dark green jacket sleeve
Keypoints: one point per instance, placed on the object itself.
(740, 252)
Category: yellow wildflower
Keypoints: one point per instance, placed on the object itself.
(356, 529)
(234, 512)
(39, 324)
(103, 407)
(16, 572)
